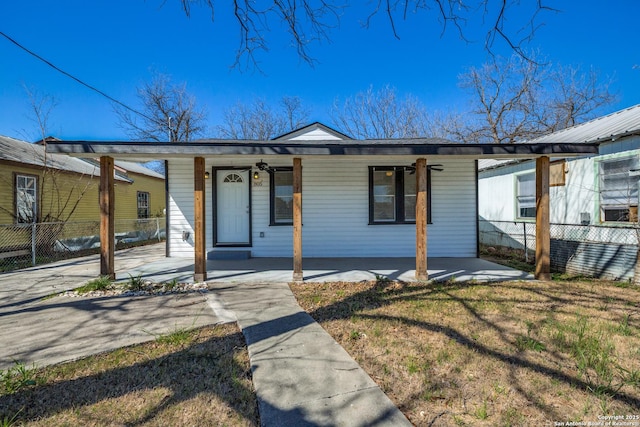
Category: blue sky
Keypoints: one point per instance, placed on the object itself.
(116, 45)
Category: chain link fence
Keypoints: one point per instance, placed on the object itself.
(590, 250)
(25, 245)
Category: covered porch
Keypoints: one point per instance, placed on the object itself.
(415, 157)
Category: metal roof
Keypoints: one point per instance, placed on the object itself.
(18, 151)
(137, 168)
(494, 163)
(602, 129)
(606, 128)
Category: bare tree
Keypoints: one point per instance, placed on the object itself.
(169, 113)
(576, 96)
(502, 93)
(380, 114)
(308, 22)
(516, 99)
(295, 114)
(260, 121)
(63, 197)
(445, 124)
(40, 107)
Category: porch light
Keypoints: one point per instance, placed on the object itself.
(256, 175)
(206, 175)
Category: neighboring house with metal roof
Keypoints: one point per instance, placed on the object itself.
(36, 186)
(598, 192)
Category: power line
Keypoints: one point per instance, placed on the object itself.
(93, 88)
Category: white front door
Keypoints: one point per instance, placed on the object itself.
(232, 207)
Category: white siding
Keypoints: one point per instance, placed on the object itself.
(336, 210)
(623, 144)
(314, 135)
(454, 214)
(181, 208)
(579, 195)
(496, 195)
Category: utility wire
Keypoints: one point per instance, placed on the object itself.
(75, 78)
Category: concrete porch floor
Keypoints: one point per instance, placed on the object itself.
(266, 270)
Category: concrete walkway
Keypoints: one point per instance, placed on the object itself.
(301, 375)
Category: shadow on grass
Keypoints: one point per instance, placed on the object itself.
(207, 367)
(549, 301)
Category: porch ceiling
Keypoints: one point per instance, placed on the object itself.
(413, 147)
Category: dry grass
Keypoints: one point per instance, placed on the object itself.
(200, 377)
(512, 353)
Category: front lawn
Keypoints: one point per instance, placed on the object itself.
(195, 377)
(511, 353)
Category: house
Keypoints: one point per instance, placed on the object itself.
(315, 192)
(593, 198)
(66, 180)
(65, 190)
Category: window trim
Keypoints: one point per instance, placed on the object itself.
(272, 196)
(15, 197)
(400, 196)
(517, 196)
(599, 182)
(138, 193)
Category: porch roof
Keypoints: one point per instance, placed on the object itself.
(410, 146)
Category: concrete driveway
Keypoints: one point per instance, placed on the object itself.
(36, 328)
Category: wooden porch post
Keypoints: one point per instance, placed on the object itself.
(199, 214)
(297, 220)
(543, 229)
(421, 220)
(107, 218)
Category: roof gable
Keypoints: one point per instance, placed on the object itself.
(313, 132)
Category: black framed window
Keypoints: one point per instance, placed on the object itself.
(281, 196)
(143, 204)
(392, 195)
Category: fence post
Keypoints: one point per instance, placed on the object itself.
(33, 244)
(158, 228)
(524, 233)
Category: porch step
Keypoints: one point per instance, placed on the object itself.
(228, 255)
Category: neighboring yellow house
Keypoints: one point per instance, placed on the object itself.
(67, 188)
